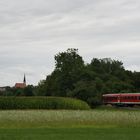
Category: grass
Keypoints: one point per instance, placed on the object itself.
(98, 124)
(64, 118)
(70, 134)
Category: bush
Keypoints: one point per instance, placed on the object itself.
(42, 103)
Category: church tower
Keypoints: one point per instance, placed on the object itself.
(21, 85)
(24, 80)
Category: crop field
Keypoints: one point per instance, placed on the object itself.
(98, 124)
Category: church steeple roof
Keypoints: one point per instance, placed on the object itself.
(24, 80)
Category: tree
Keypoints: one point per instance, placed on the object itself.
(69, 61)
(89, 91)
(28, 91)
(136, 81)
(71, 77)
(68, 69)
(41, 89)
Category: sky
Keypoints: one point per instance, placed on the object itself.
(33, 31)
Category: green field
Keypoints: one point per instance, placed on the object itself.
(95, 124)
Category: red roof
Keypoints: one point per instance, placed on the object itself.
(20, 85)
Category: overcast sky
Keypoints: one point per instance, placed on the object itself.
(33, 31)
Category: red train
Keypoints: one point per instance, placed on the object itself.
(122, 99)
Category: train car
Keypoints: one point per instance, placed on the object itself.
(122, 99)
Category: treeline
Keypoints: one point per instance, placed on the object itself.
(73, 78)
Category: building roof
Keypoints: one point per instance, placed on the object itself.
(20, 85)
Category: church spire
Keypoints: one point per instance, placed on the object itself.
(24, 80)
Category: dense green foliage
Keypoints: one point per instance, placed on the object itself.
(73, 78)
(41, 103)
(12, 91)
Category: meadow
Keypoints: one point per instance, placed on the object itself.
(99, 124)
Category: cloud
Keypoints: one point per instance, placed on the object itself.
(33, 31)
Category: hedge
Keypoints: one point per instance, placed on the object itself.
(42, 103)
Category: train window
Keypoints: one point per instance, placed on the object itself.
(138, 97)
(132, 97)
(124, 97)
(114, 98)
(135, 97)
(129, 97)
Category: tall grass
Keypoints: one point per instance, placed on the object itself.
(68, 118)
(42, 103)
